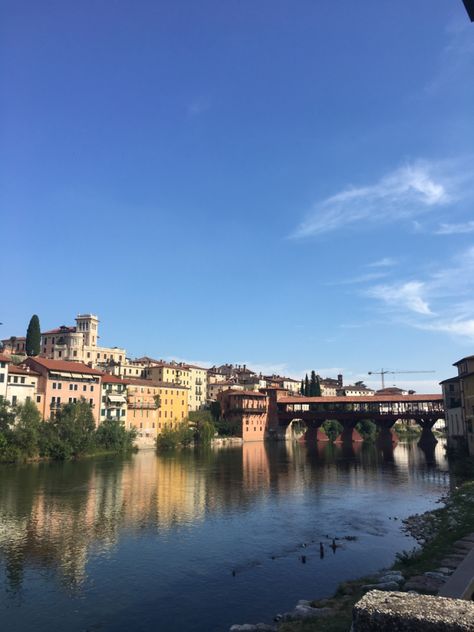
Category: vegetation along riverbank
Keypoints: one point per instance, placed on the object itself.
(24, 436)
(423, 569)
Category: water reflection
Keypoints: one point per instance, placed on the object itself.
(53, 517)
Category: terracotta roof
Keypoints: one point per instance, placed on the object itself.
(371, 399)
(245, 393)
(63, 365)
(21, 370)
(59, 330)
(107, 378)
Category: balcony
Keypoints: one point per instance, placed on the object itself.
(142, 405)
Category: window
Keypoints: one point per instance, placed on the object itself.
(84, 388)
(54, 385)
(91, 402)
(59, 385)
(71, 386)
(22, 380)
(75, 387)
(70, 400)
(15, 379)
(92, 387)
(14, 398)
(38, 399)
(102, 412)
(60, 353)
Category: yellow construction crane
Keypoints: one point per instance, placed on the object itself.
(384, 372)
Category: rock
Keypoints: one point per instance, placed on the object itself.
(435, 575)
(424, 584)
(392, 577)
(381, 586)
(403, 611)
(445, 570)
(308, 612)
(452, 561)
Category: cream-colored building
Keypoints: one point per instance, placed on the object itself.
(197, 387)
(354, 390)
(170, 372)
(22, 385)
(213, 390)
(79, 343)
(4, 360)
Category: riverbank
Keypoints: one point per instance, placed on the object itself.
(423, 569)
(436, 531)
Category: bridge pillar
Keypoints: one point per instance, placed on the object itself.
(387, 436)
(349, 435)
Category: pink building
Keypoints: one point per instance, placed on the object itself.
(61, 382)
(246, 412)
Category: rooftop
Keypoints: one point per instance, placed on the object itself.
(63, 365)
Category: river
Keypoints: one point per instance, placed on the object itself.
(200, 539)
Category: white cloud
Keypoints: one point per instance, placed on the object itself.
(449, 288)
(407, 295)
(401, 194)
(386, 262)
(456, 229)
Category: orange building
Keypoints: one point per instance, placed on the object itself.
(61, 382)
(245, 412)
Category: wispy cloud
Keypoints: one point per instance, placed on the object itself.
(386, 262)
(439, 301)
(409, 295)
(455, 229)
(402, 194)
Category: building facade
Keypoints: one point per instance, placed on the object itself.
(22, 386)
(113, 403)
(245, 412)
(4, 361)
(79, 343)
(62, 382)
(154, 406)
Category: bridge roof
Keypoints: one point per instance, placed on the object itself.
(370, 399)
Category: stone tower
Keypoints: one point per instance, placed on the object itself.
(88, 326)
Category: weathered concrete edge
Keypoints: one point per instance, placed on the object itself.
(378, 611)
(461, 583)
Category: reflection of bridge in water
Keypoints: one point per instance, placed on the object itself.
(383, 410)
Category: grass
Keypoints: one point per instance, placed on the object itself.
(449, 524)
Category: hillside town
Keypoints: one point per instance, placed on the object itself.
(150, 395)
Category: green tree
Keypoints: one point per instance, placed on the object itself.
(33, 337)
(205, 431)
(73, 430)
(302, 387)
(332, 428)
(112, 435)
(313, 385)
(306, 385)
(215, 409)
(26, 432)
(367, 429)
(318, 387)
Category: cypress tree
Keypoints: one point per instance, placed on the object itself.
(312, 385)
(302, 387)
(306, 385)
(33, 337)
(318, 387)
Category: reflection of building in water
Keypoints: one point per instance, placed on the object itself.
(166, 491)
(256, 470)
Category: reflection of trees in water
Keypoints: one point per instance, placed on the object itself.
(53, 515)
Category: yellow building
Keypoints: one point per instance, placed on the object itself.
(169, 372)
(154, 406)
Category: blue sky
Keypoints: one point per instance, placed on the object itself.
(286, 184)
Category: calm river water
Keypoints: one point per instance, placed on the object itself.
(152, 543)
